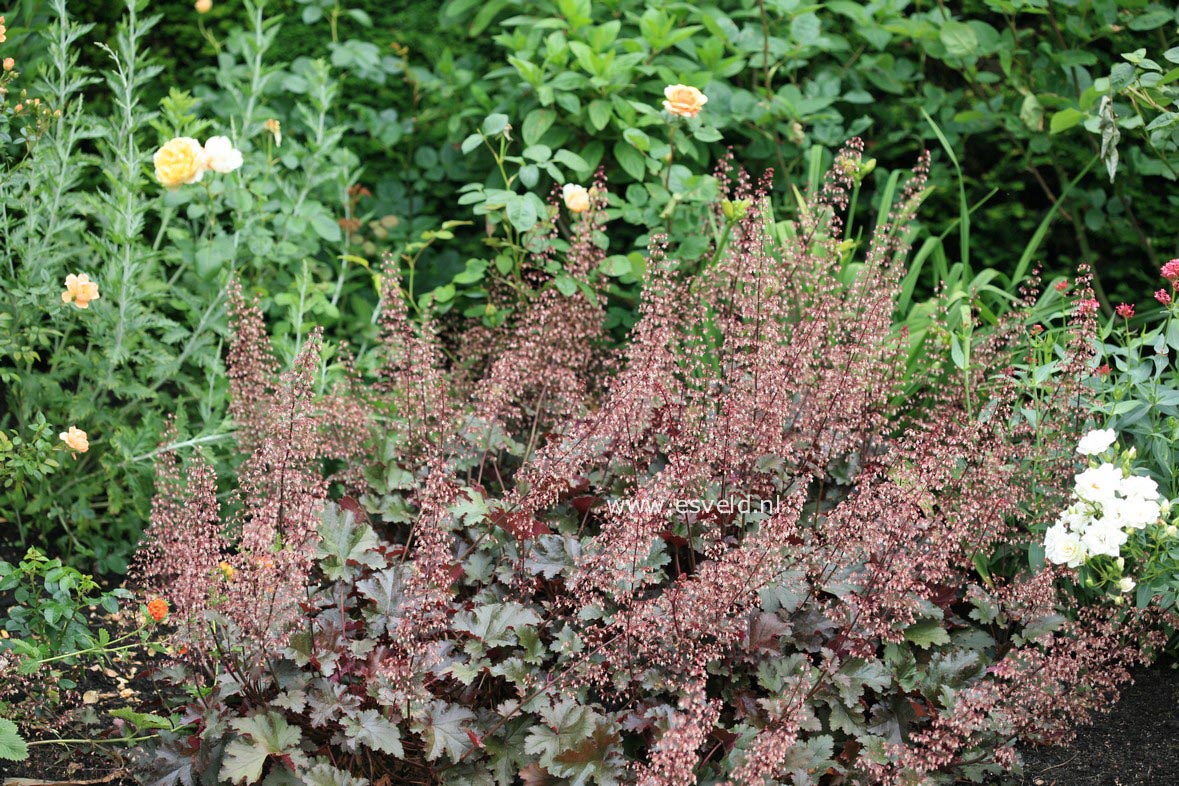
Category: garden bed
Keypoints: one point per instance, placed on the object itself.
(1136, 744)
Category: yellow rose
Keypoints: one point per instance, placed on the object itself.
(80, 290)
(203, 6)
(179, 161)
(683, 101)
(577, 198)
(75, 439)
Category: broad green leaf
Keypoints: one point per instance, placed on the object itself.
(600, 113)
(142, 720)
(1065, 119)
(631, 160)
(344, 540)
(472, 508)
(261, 737)
(326, 227)
(373, 730)
(927, 633)
(565, 284)
(324, 774)
(1042, 626)
(806, 29)
(578, 12)
(471, 142)
(565, 726)
(550, 555)
(495, 124)
(1155, 17)
(492, 622)
(959, 39)
(616, 265)
(12, 746)
(443, 730)
(538, 153)
(707, 134)
(536, 124)
(637, 139)
(522, 213)
(573, 161)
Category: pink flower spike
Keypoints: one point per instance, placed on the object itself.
(1125, 310)
(1086, 307)
(1062, 286)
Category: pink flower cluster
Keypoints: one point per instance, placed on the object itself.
(1170, 271)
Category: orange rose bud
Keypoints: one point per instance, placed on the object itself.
(158, 609)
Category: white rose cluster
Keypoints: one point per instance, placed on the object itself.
(1107, 504)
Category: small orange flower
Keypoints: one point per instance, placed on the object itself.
(158, 609)
(80, 290)
(75, 439)
(227, 570)
(683, 101)
(9, 64)
(275, 128)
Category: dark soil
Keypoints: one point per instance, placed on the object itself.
(99, 690)
(1136, 744)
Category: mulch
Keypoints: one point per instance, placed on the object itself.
(1136, 744)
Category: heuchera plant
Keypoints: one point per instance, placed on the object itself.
(729, 552)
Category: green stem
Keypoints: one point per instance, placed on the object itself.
(120, 741)
(185, 444)
(104, 648)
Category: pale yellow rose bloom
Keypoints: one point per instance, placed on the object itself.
(683, 101)
(203, 6)
(577, 198)
(179, 162)
(75, 439)
(80, 290)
